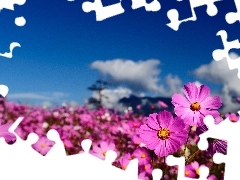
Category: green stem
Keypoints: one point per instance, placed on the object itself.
(164, 167)
(187, 142)
(192, 156)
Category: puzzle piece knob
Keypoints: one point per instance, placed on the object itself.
(86, 6)
(204, 171)
(230, 18)
(218, 158)
(86, 145)
(171, 160)
(52, 134)
(218, 54)
(157, 174)
(32, 138)
(202, 144)
(212, 10)
(110, 156)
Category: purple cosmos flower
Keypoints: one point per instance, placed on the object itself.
(212, 177)
(101, 151)
(9, 137)
(196, 105)
(142, 155)
(232, 117)
(189, 171)
(163, 133)
(215, 145)
(162, 104)
(43, 145)
(124, 161)
(142, 176)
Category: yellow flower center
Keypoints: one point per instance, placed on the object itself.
(124, 167)
(195, 106)
(104, 153)
(143, 156)
(186, 173)
(43, 146)
(163, 133)
(145, 167)
(233, 119)
(197, 171)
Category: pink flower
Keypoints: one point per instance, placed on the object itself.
(101, 150)
(196, 105)
(189, 171)
(212, 177)
(142, 176)
(138, 106)
(142, 155)
(148, 168)
(136, 139)
(163, 133)
(9, 137)
(124, 160)
(163, 104)
(43, 145)
(232, 117)
(67, 143)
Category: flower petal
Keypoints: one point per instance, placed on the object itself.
(203, 93)
(161, 149)
(176, 125)
(179, 100)
(191, 91)
(213, 113)
(152, 121)
(180, 137)
(164, 118)
(212, 103)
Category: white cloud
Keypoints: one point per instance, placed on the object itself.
(113, 96)
(46, 104)
(141, 76)
(198, 83)
(28, 96)
(218, 72)
(38, 96)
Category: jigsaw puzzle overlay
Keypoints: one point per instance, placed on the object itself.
(21, 159)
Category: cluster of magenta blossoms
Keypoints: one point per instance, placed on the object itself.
(165, 134)
(130, 134)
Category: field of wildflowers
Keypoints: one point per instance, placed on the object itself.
(131, 134)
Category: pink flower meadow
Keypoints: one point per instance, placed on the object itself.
(131, 135)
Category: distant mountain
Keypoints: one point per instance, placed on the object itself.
(146, 104)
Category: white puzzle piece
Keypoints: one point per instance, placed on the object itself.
(173, 14)
(220, 54)
(102, 12)
(232, 17)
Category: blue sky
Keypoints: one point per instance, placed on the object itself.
(60, 43)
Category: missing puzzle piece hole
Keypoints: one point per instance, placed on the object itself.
(157, 174)
(86, 145)
(231, 17)
(110, 156)
(218, 158)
